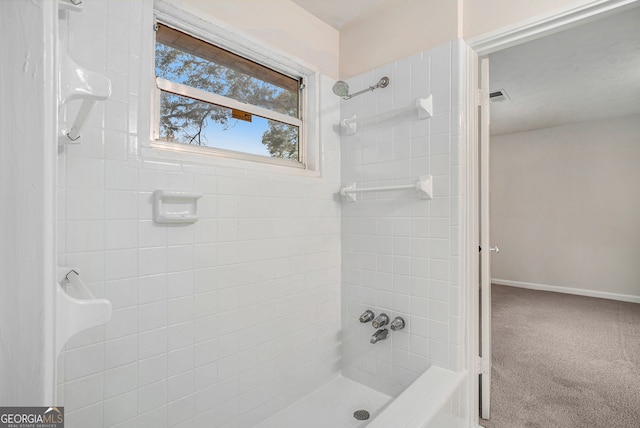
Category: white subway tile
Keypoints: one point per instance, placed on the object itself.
(152, 343)
(85, 361)
(156, 418)
(152, 316)
(178, 235)
(180, 360)
(439, 269)
(120, 264)
(180, 310)
(180, 335)
(120, 380)
(177, 409)
(439, 310)
(121, 351)
(152, 288)
(85, 236)
(85, 204)
(84, 392)
(86, 417)
(152, 396)
(180, 284)
(205, 400)
(205, 376)
(120, 408)
(120, 205)
(152, 369)
(151, 234)
(205, 328)
(152, 261)
(439, 353)
(439, 331)
(419, 345)
(180, 258)
(206, 304)
(124, 322)
(120, 234)
(85, 173)
(180, 386)
(119, 176)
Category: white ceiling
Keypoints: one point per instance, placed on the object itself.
(337, 12)
(584, 73)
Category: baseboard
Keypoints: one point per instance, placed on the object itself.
(568, 290)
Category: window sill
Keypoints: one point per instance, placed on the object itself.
(206, 161)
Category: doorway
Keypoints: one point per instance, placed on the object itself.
(496, 46)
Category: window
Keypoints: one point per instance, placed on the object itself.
(208, 97)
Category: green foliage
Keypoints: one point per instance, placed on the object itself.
(281, 140)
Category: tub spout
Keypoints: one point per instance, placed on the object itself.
(379, 335)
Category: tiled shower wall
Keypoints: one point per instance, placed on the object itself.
(216, 324)
(402, 255)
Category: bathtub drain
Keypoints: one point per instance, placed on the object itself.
(361, 415)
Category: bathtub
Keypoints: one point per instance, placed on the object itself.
(435, 400)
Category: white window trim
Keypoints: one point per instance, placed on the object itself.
(220, 35)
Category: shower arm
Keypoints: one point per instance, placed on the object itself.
(370, 88)
(381, 84)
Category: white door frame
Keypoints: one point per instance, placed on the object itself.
(478, 47)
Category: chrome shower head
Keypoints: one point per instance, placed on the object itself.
(341, 88)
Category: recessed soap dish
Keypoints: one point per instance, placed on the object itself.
(171, 206)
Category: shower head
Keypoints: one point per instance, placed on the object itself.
(341, 88)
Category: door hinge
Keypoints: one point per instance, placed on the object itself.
(479, 97)
(479, 365)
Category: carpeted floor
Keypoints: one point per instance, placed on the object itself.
(563, 361)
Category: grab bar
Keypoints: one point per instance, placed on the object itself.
(424, 107)
(423, 184)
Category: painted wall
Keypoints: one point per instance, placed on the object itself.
(484, 16)
(216, 324)
(393, 30)
(402, 255)
(398, 28)
(563, 206)
(283, 25)
(27, 186)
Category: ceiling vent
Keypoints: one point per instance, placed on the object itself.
(498, 95)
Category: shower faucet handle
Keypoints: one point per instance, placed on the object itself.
(367, 316)
(380, 321)
(397, 324)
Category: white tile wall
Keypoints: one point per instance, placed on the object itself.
(401, 255)
(215, 324)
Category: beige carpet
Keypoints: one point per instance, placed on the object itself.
(564, 361)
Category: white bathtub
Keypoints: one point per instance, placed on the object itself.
(435, 400)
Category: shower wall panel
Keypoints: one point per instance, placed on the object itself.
(220, 323)
(402, 255)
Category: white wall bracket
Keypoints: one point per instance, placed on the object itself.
(423, 107)
(78, 83)
(77, 309)
(423, 184)
(175, 207)
(74, 5)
